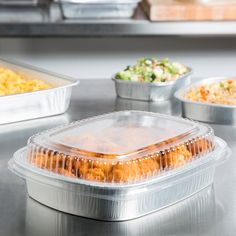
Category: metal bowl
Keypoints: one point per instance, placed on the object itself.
(150, 91)
(207, 112)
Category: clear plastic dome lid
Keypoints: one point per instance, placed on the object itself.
(121, 134)
(120, 147)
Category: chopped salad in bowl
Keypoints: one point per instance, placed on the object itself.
(220, 92)
(152, 70)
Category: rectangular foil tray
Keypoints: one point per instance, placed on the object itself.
(119, 202)
(37, 104)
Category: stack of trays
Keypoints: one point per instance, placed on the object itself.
(121, 165)
(98, 8)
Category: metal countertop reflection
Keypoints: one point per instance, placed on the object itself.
(210, 212)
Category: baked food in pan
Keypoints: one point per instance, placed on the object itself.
(96, 169)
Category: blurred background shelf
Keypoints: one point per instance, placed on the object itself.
(37, 22)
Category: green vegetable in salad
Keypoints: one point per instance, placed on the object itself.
(227, 85)
(152, 70)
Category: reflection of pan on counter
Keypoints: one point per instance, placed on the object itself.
(184, 218)
(169, 107)
(36, 124)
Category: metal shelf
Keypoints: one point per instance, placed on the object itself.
(139, 25)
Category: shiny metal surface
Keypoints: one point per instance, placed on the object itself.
(149, 91)
(206, 112)
(117, 202)
(20, 215)
(36, 104)
(184, 214)
(72, 10)
(139, 25)
(22, 2)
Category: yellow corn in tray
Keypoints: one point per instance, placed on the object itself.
(13, 83)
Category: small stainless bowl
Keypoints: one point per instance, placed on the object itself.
(207, 112)
(150, 91)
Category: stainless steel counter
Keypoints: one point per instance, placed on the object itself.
(36, 22)
(210, 212)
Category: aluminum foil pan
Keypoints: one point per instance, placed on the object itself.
(191, 212)
(100, 2)
(118, 202)
(150, 91)
(31, 105)
(97, 9)
(207, 112)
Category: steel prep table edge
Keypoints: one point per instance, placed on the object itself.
(211, 212)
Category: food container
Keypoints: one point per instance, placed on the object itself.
(31, 105)
(121, 165)
(206, 112)
(150, 91)
(98, 9)
(192, 212)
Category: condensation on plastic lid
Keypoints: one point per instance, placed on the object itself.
(121, 134)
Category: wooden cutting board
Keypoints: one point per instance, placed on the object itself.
(185, 10)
